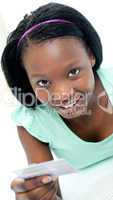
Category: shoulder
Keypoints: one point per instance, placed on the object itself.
(36, 120)
(106, 72)
(27, 114)
(106, 76)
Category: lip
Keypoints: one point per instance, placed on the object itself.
(68, 107)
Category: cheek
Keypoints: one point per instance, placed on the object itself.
(42, 94)
(88, 83)
(91, 82)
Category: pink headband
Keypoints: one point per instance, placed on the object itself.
(37, 25)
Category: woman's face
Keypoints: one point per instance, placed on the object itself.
(60, 72)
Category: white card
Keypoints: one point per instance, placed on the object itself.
(53, 168)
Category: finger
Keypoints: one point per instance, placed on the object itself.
(21, 185)
(51, 194)
(37, 193)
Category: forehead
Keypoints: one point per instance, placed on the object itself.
(54, 52)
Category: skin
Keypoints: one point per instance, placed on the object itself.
(54, 65)
(59, 57)
(35, 188)
(55, 59)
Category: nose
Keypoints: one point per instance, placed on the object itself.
(61, 94)
(61, 99)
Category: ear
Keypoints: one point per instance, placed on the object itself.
(91, 57)
(93, 61)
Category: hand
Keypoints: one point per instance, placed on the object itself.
(38, 188)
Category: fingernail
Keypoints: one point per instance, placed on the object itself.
(54, 178)
(47, 179)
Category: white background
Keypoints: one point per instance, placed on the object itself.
(11, 12)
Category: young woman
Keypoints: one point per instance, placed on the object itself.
(52, 65)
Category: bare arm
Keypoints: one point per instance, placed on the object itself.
(35, 150)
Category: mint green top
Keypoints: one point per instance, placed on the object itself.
(47, 125)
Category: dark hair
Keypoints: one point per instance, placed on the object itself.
(11, 58)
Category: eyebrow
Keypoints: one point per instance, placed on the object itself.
(66, 68)
(37, 75)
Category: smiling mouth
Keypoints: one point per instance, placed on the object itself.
(69, 105)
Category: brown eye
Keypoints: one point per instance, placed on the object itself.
(42, 83)
(74, 72)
